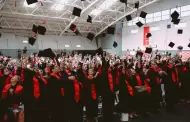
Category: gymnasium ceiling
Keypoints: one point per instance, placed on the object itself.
(18, 18)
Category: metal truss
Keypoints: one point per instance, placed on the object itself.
(17, 17)
(129, 10)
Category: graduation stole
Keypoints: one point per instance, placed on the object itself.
(117, 77)
(22, 75)
(8, 80)
(1, 74)
(184, 69)
(174, 74)
(148, 88)
(17, 90)
(157, 78)
(100, 70)
(58, 78)
(76, 87)
(138, 80)
(130, 88)
(110, 79)
(93, 89)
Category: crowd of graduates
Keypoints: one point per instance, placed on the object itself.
(42, 89)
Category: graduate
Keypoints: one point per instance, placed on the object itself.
(40, 97)
(107, 91)
(90, 95)
(55, 93)
(153, 79)
(12, 97)
(73, 109)
(171, 84)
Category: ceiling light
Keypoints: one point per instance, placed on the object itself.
(181, 25)
(30, 6)
(67, 45)
(57, 7)
(154, 28)
(106, 4)
(78, 45)
(60, 5)
(134, 31)
(25, 41)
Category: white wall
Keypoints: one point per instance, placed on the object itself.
(162, 37)
(10, 41)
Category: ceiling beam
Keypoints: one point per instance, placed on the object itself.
(85, 9)
(134, 10)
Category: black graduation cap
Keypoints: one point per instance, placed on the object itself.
(179, 31)
(180, 47)
(137, 5)
(89, 19)
(148, 35)
(189, 45)
(90, 36)
(148, 50)
(35, 28)
(175, 15)
(124, 1)
(111, 30)
(128, 17)
(31, 1)
(139, 54)
(76, 11)
(73, 27)
(143, 14)
(41, 53)
(115, 44)
(99, 51)
(49, 53)
(176, 21)
(139, 24)
(158, 56)
(169, 26)
(41, 30)
(171, 44)
(31, 40)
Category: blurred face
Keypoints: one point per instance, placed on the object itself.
(153, 64)
(6, 71)
(56, 69)
(85, 67)
(90, 72)
(170, 62)
(14, 79)
(36, 70)
(61, 65)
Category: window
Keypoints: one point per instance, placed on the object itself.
(157, 14)
(165, 17)
(175, 9)
(185, 8)
(157, 19)
(149, 20)
(134, 31)
(154, 28)
(185, 13)
(78, 45)
(181, 25)
(149, 16)
(67, 45)
(165, 12)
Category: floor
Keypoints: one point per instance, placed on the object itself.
(182, 114)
